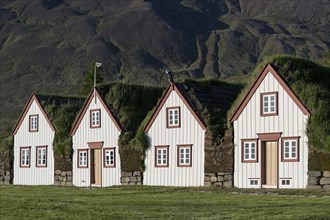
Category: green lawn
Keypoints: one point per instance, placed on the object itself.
(24, 202)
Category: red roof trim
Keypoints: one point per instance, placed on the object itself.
(84, 109)
(170, 88)
(255, 86)
(26, 109)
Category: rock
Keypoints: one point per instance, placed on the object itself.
(213, 179)
(131, 183)
(7, 173)
(326, 173)
(6, 178)
(6, 182)
(63, 174)
(2, 172)
(126, 174)
(68, 184)
(133, 179)
(57, 172)
(221, 174)
(323, 181)
(207, 184)
(220, 178)
(314, 173)
(69, 178)
(209, 174)
(1, 178)
(1, 182)
(327, 187)
(63, 179)
(57, 183)
(139, 179)
(207, 179)
(137, 173)
(314, 187)
(124, 183)
(63, 183)
(228, 177)
(228, 183)
(125, 179)
(218, 184)
(60, 178)
(138, 183)
(312, 181)
(69, 173)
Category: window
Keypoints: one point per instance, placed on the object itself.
(254, 182)
(25, 153)
(285, 182)
(109, 157)
(290, 149)
(33, 123)
(95, 118)
(41, 156)
(250, 151)
(173, 117)
(269, 104)
(161, 156)
(184, 155)
(82, 158)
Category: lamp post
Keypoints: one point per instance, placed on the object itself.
(96, 65)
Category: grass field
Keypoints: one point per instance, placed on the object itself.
(24, 202)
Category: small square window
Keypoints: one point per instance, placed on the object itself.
(109, 157)
(184, 155)
(250, 151)
(173, 117)
(285, 182)
(82, 159)
(290, 149)
(269, 104)
(25, 157)
(254, 182)
(95, 118)
(41, 156)
(33, 123)
(161, 156)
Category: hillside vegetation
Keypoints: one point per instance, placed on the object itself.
(46, 45)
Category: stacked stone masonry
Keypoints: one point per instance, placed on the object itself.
(5, 177)
(319, 180)
(131, 178)
(63, 178)
(218, 179)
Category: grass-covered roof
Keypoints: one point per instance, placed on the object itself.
(311, 83)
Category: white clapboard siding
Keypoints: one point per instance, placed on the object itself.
(23, 138)
(291, 121)
(109, 134)
(190, 132)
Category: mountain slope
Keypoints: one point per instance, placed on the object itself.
(46, 45)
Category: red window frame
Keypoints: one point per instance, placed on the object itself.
(283, 139)
(168, 117)
(265, 114)
(20, 157)
(30, 119)
(113, 149)
(78, 158)
(189, 146)
(157, 147)
(37, 148)
(91, 118)
(243, 141)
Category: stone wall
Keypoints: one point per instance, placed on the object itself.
(5, 177)
(218, 179)
(319, 180)
(63, 178)
(131, 178)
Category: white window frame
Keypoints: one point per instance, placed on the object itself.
(109, 157)
(288, 149)
(33, 123)
(82, 158)
(41, 159)
(25, 157)
(267, 105)
(185, 157)
(249, 153)
(161, 155)
(173, 117)
(95, 121)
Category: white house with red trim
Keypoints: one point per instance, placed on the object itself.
(33, 146)
(271, 145)
(176, 134)
(95, 135)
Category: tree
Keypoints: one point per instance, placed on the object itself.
(88, 83)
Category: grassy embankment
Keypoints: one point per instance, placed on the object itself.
(18, 202)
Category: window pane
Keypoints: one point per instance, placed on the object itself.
(293, 155)
(272, 109)
(265, 98)
(293, 143)
(286, 155)
(272, 98)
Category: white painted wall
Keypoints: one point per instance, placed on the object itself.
(109, 134)
(190, 132)
(290, 120)
(45, 136)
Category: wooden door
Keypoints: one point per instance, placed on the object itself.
(97, 166)
(270, 163)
